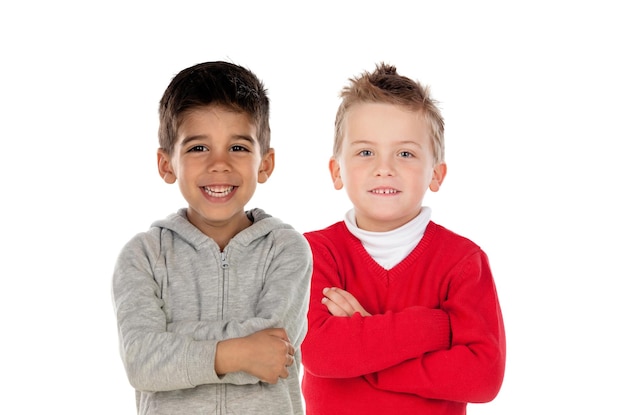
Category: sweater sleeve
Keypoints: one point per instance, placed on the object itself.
(154, 359)
(343, 347)
(472, 369)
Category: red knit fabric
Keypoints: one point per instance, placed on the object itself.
(434, 342)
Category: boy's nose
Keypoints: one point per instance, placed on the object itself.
(219, 162)
(384, 167)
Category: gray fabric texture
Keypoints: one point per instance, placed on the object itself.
(175, 295)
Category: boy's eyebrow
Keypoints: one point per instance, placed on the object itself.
(191, 138)
(404, 142)
(245, 137)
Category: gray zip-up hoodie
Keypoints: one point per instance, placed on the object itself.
(176, 295)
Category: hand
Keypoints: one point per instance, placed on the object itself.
(341, 303)
(267, 354)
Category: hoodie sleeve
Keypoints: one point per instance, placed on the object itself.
(154, 359)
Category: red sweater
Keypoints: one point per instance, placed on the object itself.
(434, 342)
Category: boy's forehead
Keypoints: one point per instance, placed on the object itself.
(213, 109)
(211, 120)
(376, 118)
(383, 109)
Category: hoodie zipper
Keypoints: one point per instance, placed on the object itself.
(224, 265)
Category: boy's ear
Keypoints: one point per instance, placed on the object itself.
(439, 173)
(165, 166)
(267, 166)
(335, 173)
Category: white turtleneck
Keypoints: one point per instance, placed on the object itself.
(389, 248)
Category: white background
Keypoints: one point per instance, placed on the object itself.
(533, 97)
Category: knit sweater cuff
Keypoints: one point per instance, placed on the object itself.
(433, 333)
(441, 331)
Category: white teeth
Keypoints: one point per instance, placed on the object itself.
(384, 191)
(218, 191)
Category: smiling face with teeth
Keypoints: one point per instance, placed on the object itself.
(217, 163)
(386, 164)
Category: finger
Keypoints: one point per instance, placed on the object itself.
(345, 296)
(352, 302)
(340, 298)
(347, 301)
(280, 333)
(334, 309)
(338, 295)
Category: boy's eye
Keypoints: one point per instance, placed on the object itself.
(405, 154)
(198, 148)
(365, 153)
(238, 148)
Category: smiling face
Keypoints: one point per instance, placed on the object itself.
(217, 163)
(386, 164)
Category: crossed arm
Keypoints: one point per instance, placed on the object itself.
(162, 356)
(452, 352)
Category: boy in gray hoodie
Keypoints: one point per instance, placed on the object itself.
(211, 301)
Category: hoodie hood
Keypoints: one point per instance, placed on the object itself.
(262, 224)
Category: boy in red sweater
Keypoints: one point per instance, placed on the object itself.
(404, 316)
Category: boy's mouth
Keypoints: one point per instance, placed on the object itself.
(385, 191)
(218, 191)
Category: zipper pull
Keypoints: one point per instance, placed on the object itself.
(224, 261)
